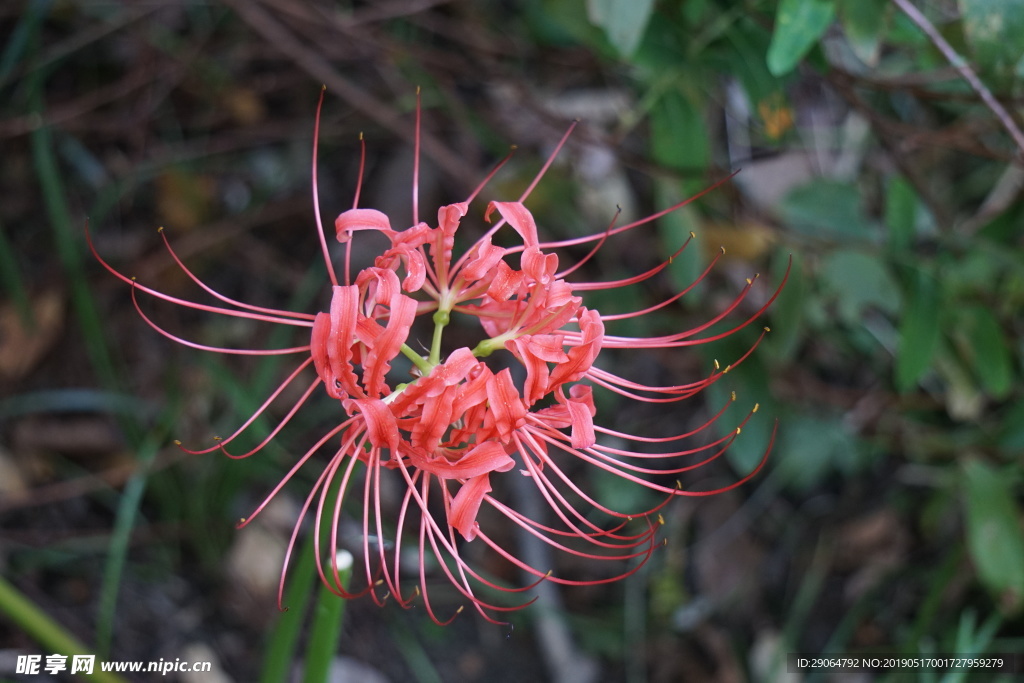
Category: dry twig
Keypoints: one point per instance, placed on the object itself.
(961, 65)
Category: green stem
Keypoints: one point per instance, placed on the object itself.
(419, 361)
(488, 346)
(45, 631)
(441, 318)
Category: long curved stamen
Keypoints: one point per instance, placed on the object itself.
(672, 299)
(316, 193)
(228, 300)
(593, 251)
(277, 317)
(216, 349)
(259, 411)
(536, 179)
(416, 161)
(642, 277)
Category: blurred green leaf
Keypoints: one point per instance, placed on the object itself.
(863, 21)
(963, 398)
(994, 537)
(696, 11)
(679, 135)
(995, 31)
(798, 26)
(812, 448)
(969, 274)
(787, 314)
(858, 281)
(984, 345)
(1011, 434)
(826, 209)
(565, 22)
(919, 331)
(744, 60)
(624, 21)
(900, 213)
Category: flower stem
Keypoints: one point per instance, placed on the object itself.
(419, 361)
(441, 319)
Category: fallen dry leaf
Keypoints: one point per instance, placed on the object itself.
(24, 342)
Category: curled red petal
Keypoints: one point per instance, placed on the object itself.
(466, 506)
(488, 456)
(507, 408)
(361, 219)
(519, 217)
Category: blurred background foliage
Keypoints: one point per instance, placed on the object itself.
(872, 166)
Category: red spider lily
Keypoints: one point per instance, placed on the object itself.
(457, 426)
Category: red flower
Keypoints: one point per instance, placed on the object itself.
(458, 425)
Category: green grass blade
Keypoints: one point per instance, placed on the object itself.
(11, 280)
(328, 615)
(45, 630)
(127, 511)
(284, 635)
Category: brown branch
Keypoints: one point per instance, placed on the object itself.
(960, 64)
